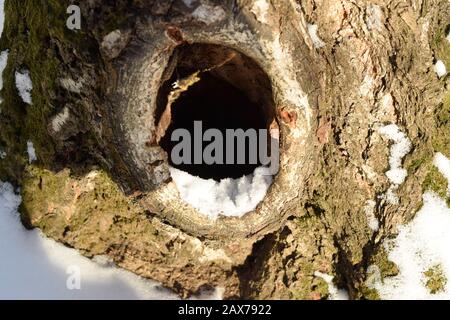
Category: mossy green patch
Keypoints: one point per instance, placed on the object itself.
(441, 140)
(369, 293)
(320, 287)
(418, 160)
(381, 260)
(51, 200)
(36, 36)
(435, 279)
(26, 37)
(83, 209)
(383, 268)
(310, 288)
(441, 46)
(436, 182)
(41, 189)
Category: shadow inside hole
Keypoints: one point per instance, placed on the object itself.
(233, 93)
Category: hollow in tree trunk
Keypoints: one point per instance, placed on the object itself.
(326, 78)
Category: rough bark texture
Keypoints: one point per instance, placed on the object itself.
(102, 185)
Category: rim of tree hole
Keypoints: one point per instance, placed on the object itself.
(248, 74)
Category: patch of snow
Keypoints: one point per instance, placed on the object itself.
(420, 245)
(60, 119)
(387, 102)
(400, 148)
(374, 278)
(396, 174)
(334, 292)
(367, 85)
(312, 31)
(443, 164)
(260, 10)
(229, 197)
(386, 110)
(110, 40)
(35, 267)
(2, 154)
(374, 17)
(390, 196)
(31, 152)
(209, 14)
(189, 3)
(440, 69)
(4, 54)
(72, 85)
(369, 210)
(3, 63)
(114, 42)
(2, 16)
(24, 85)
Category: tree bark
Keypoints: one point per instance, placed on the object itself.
(102, 186)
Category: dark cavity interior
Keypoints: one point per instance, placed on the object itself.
(233, 92)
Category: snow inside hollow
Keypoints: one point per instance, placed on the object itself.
(420, 245)
(229, 197)
(35, 267)
(24, 85)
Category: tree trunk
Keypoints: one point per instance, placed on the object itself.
(339, 72)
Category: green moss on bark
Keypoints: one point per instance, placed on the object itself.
(52, 200)
(436, 182)
(441, 141)
(441, 46)
(369, 293)
(26, 37)
(35, 36)
(381, 260)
